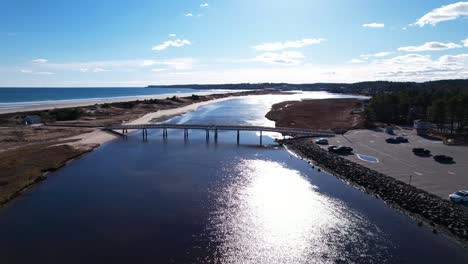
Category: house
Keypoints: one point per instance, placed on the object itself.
(31, 120)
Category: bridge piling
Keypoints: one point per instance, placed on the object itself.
(260, 137)
(207, 134)
(238, 137)
(216, 135)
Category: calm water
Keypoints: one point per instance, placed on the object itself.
(194, 201)
(12, 98)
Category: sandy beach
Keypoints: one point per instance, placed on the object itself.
(81, 103)
(98, 137)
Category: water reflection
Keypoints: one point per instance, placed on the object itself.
(268, 213)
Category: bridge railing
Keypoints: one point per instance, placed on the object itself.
(223, 127)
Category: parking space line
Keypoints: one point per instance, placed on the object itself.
(451, 172)
(417, 173)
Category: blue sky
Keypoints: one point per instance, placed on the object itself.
(136, 43)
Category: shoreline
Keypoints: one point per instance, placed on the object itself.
(110, 100)
(42, 150)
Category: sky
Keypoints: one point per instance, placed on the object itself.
(78, 43)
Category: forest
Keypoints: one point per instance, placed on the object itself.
(446, 107)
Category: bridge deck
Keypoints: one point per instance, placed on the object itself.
(225, 127)
(284, 130)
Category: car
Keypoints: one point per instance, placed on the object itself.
(340, 149)
(459, 197)
(443, 159)
(331, 148)
(421, 151)
(401, 140)
(321, 141)
(391, 140)
(389, 130)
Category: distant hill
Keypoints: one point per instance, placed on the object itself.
(374, 87)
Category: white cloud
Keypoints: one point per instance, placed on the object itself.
(357, 61)
(374, 25)
(171, 43)
(189, 15)
(36, 72)
(179, 63)
(172, 35)
(39, 61)
(204, 5)
(158, 70)
(454, 59)
(465, 42)
(365, 57)
(430, 46)
(444, 13)
(408, 59)
(118, 65)
(375, 55)
(275, 46)
(287, 58)
(148, 63)
(408, 67)
(99, 70)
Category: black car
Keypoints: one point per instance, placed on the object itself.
(401, 140)
(391, 140)
(443, 159)
(340, 149)
(331, 148)
(421, 151)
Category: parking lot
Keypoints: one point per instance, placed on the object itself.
(398, 160)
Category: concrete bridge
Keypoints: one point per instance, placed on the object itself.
(215, 128)
(207, 127)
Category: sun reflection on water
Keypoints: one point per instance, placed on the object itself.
(268, 213)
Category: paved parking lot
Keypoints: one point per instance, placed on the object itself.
(398, 160)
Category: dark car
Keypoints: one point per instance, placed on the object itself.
(321, 141)
(401, 140)
(340, 149)
(331, 148)
(443, 159)
(391, 140)
(421, 151)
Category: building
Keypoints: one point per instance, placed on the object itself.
(31, 120)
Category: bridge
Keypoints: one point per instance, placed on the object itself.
(215, 128)
(207, 127)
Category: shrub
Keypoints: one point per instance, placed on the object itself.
(66, 114)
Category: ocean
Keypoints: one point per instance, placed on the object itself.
(16, 98)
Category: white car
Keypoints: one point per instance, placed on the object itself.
(459, 197)
(321, 141)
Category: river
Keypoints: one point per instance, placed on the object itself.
(198, 201)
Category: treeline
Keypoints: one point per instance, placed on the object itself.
(445, 106)
(367, 88)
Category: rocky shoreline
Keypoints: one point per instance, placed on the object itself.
(437, 212)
